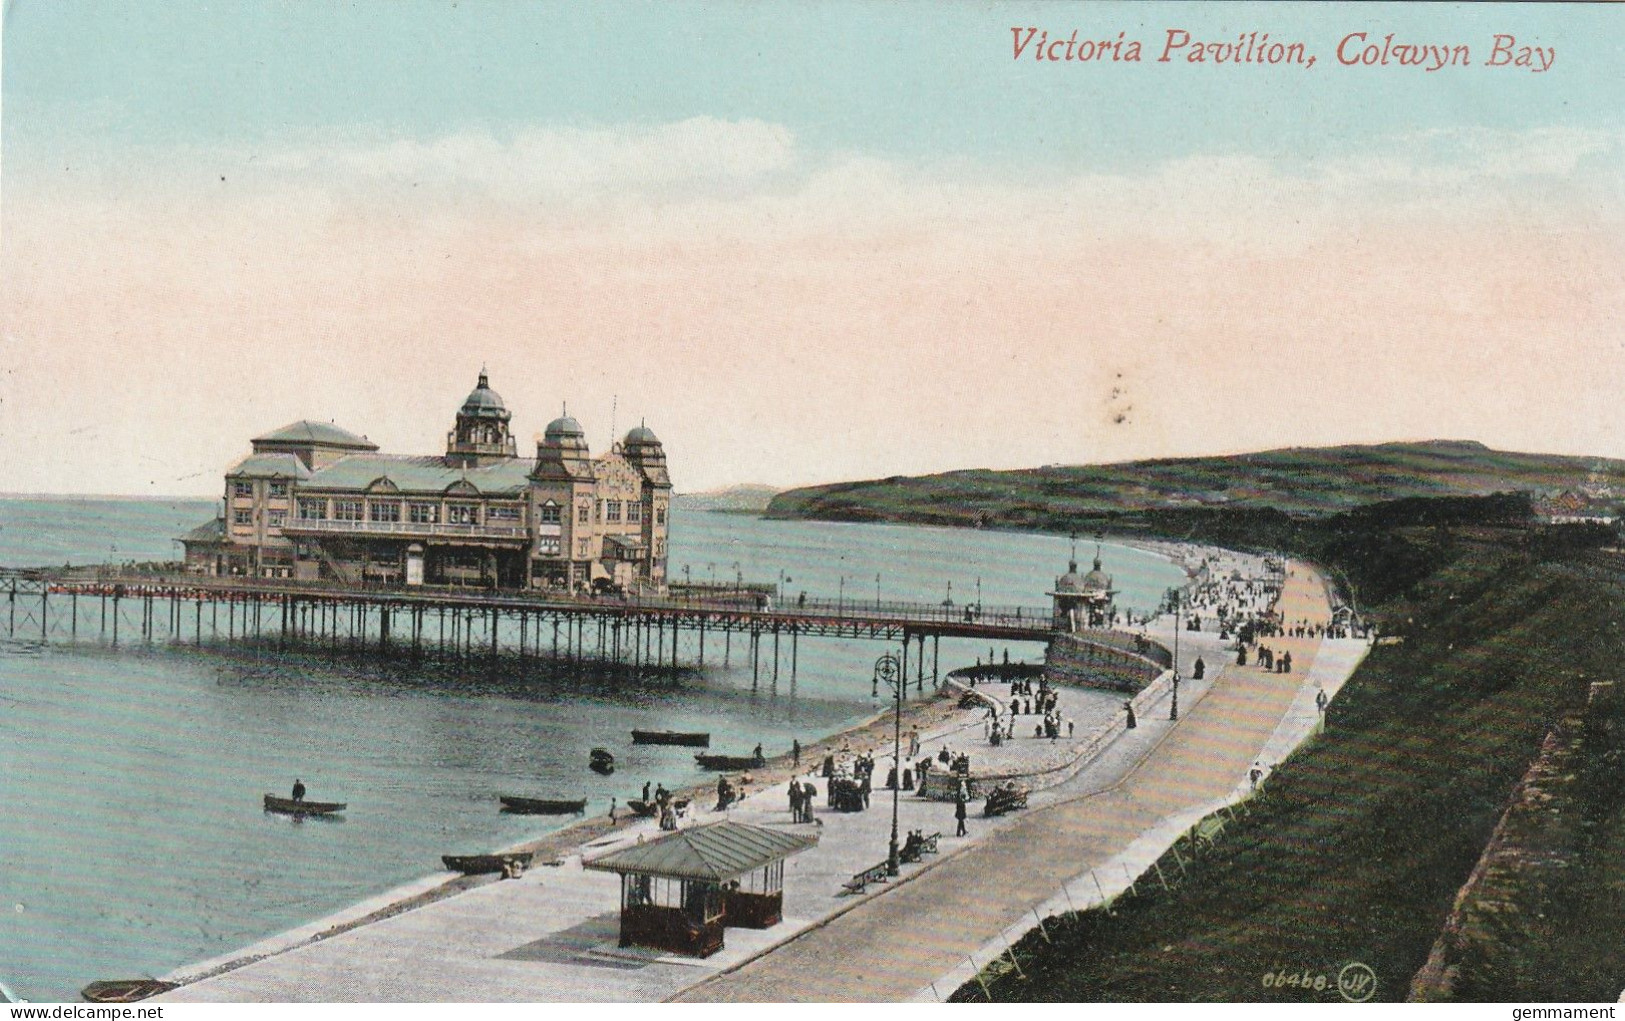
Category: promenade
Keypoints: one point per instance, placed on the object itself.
(892, 946)
(551, 935)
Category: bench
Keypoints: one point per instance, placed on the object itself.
(873, 874)
(1206, 833)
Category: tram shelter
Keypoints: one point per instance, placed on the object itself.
(679, 892)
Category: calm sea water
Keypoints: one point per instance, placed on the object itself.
(133, 839)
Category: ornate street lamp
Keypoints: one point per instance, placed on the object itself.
(1177, 596)
(887, 670)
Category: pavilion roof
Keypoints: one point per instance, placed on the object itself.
(715, 853)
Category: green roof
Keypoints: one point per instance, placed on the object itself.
(324, 434)
(210, 531)
(270, 466)
(715, 853)
(425, 474)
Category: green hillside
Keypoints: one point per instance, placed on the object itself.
(1158, 495)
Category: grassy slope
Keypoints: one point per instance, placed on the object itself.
(1367, 834)
(1297, 481)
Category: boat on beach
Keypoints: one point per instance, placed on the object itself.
(646, 809)
(288, 806)
(730, 762)
(541, 806)
(125, 990)
(677, 737)
(484, 864)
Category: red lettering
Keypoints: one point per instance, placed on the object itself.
(1184, 40)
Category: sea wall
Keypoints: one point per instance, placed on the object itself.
(1105, 660)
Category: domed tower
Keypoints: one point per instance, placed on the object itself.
(1082, 600)
(563, 495)
(481, 435)
(644, 451)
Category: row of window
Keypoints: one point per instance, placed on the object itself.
(611, 510)
(316, 509)
(274, 519)
(244, 487)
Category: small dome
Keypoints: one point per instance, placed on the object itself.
(483, 401)
(564, 428)
(1097, 580)
(642, 435)
(1071, 581)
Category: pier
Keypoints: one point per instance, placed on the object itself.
(638, 633)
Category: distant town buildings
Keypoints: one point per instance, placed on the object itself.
(1575, 507)
(314, 501)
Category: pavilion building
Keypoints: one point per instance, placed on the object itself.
(317, 502)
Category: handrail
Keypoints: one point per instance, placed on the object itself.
(812, 611)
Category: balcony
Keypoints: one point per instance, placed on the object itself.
(408, 530)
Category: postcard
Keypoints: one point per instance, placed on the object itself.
(846, 502)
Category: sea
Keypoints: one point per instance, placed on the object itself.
(133, 840)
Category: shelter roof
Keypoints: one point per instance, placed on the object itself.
(715, 853)
(209, 531)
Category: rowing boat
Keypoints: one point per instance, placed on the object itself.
(692, 740)
(288, 806)
(648, 809)
(541, 806)
(125, 990)
(730, 762)
(483, 864)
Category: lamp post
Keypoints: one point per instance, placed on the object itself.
(887, 670)
(877, 592)
(840, 600)
(1173, 705)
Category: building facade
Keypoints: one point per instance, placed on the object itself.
(314, 501)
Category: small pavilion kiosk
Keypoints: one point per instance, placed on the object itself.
(679, 892)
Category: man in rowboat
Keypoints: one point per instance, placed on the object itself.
(298, 789)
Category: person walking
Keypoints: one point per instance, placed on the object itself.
(612, 810)
(795, 753)
(959, 816)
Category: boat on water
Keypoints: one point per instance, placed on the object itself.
(730, 762)
(691, 740)
(541, 806)
(125, 990)
(484, 864)
(288, 806)
(601, 761)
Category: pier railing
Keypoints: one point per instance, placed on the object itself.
(745, 602)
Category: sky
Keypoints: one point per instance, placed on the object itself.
(802, 242)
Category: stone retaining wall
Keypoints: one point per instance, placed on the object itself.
(1086, 662)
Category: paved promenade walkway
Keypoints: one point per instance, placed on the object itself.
(551, 935)
(889, 947)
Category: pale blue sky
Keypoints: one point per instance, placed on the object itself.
(827, 228)
(916, 81)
